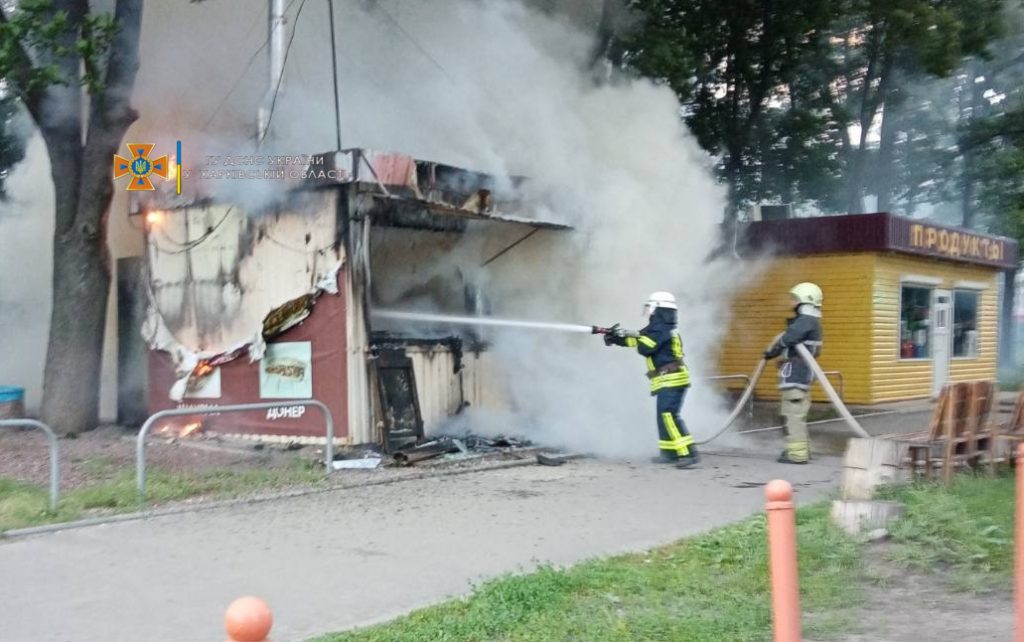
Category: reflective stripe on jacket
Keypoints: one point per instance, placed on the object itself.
(804, 328)
(662, 347)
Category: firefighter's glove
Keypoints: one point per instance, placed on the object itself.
(615, 336)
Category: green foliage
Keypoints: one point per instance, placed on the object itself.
(35, 37)
(715, 586)
(728, 62)
(775, 91)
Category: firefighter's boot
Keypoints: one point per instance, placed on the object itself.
(690, 459)
(795, 453)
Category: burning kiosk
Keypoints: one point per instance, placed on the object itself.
(275, 304)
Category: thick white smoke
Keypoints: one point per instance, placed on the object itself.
(26, 233)
(495, 87)
(612, 158)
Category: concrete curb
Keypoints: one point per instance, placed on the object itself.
(256, 499)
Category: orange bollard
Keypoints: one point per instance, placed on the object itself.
(782, 561)
(248, 619)
(1018, 566)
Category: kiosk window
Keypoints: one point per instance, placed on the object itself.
(915, 315)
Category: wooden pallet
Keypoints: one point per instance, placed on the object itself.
(959, 434)
(1003, 437)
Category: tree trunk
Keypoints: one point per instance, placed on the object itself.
(855, 182)
(967, 204)
(81, 265)
(81, 282)
(870, 101)
(967, 197)
(733, 165)
(604, 36)
(885, 171)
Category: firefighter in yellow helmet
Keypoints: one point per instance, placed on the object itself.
(795, 376)
(659, 343)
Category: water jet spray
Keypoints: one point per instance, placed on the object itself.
(398, 315)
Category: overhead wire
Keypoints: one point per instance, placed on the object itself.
(245, 71)
(497, 102)
(190, 245)
(297, 250)
(416, 43)
(334, 70)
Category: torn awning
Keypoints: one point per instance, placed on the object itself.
(395, 180)
(434, 187)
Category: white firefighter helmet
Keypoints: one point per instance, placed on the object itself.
(807, 293)
(659, 300)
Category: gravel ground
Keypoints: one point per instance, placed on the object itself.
(102, 454)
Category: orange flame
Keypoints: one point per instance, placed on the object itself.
(190, 429)
(172, 431)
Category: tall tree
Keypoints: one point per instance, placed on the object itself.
(884, 45)
(727, 60)
(815, 103)
(999, 174)
(74, 69)
(988, 124)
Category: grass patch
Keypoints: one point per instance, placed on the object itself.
(965, 530)
(709, 588)
(23, 505)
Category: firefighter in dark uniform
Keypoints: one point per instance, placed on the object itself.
(660, 344)
(795, 376)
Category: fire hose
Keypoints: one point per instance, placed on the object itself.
(808, 358)
(754, 377)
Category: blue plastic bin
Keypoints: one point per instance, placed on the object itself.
(12, 402)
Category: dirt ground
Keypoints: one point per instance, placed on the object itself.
(101, 454)
(915, 607)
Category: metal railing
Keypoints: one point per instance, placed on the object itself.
(746, 378)
(828, 373)
(54, 453)
(140, 445)
(741, 377)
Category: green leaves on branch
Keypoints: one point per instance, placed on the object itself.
(792, 98)
(35, 38)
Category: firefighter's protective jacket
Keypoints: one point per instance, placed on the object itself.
(662, 346)
(804, 328)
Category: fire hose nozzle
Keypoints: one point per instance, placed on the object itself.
(596, 329)
(615, 329)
